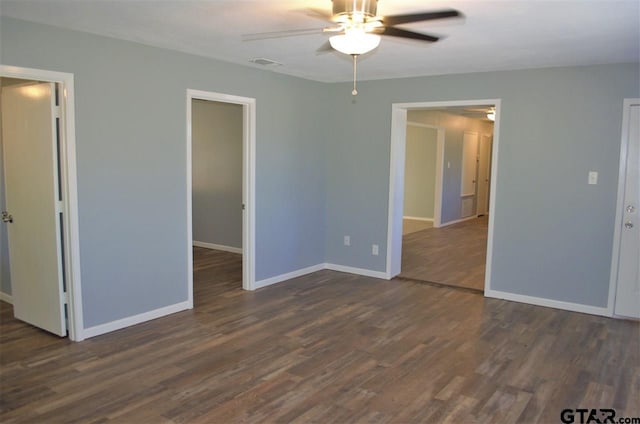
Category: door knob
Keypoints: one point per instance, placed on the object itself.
(628, 225)
(6, 217)
(631, 209)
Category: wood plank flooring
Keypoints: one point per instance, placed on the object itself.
(454, 255)
(324, 348)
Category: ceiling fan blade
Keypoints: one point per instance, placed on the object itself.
(397, 32)
(281, 34)
(316, 13)
(325, 48)
(418, 17)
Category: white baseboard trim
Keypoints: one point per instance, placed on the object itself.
(417, 218)
(133, 320)
(6, 298)
(288, 276)
(319, 267)
(469, 218)
(549, 303)
(217, 247)
(357, 271)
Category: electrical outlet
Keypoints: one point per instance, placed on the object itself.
(375, 250)
(347, 240)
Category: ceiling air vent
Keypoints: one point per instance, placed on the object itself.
(265, 62)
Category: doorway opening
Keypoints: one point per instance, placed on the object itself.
(443, 169)
(39, 245)
(424, 160)
(220, 186)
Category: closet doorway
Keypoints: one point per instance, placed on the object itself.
(220, 188)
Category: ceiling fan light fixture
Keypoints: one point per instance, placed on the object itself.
(344, 10)
(355, 42)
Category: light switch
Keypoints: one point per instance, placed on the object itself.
(347, 240)
(593, 177)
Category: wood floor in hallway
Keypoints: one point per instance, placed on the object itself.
(454, 255)
(328, 347)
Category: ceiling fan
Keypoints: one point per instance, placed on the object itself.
(356, 28)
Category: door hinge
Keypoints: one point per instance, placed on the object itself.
(59, 206)
(56, 111)
(65, 297)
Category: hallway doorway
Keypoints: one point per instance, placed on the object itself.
(455, 250)
(221, 181)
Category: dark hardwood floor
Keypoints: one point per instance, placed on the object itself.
(325, 348)
(454, 255)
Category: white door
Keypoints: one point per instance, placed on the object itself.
(469, 163)
(484, 170)
(32, 199)
(628, 287)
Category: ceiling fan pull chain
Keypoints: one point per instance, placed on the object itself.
(355, 67)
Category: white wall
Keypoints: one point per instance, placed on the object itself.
(217, 173)
(420, 171)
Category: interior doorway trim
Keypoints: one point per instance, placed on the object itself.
(75, 326)
(248, 184)
(437, 195)
(396, 178)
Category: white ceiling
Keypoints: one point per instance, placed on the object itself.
(494, 35)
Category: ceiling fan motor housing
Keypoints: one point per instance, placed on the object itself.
(344, 10)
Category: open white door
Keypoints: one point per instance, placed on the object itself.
(628, 287)
(29, 133)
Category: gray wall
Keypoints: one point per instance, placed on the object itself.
(553, 232)
(217, 172)
(420, 171)
(323, 167)
(132, 163)
(455, 127)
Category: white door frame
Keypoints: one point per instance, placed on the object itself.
(490, 137)
(437, 193)
(69, 189)
(622, 176)
(248, 184)
(396, 179)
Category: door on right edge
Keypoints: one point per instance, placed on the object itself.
(628, 287)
